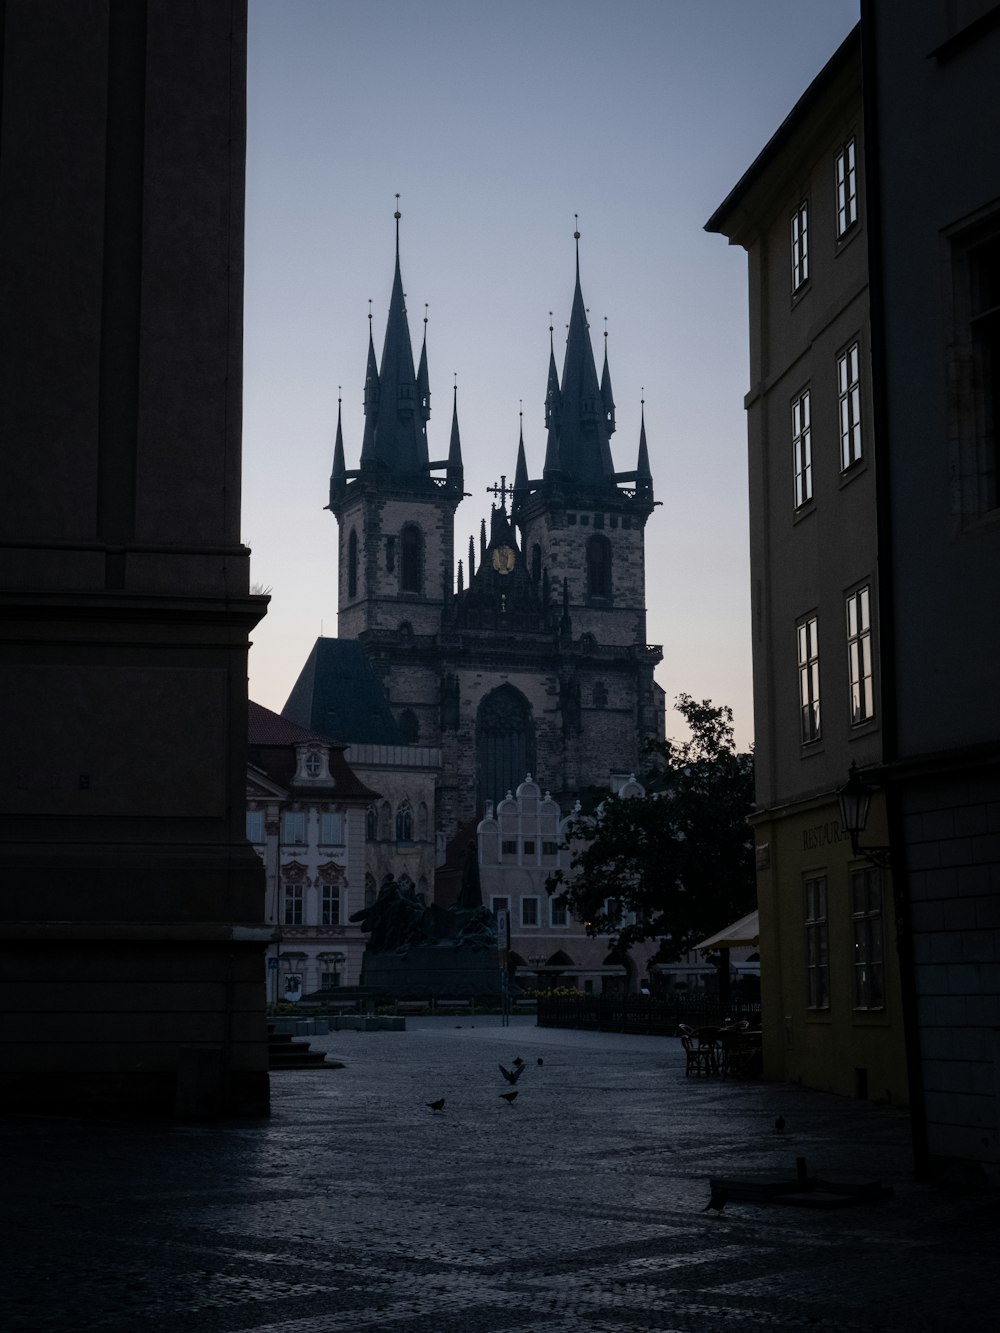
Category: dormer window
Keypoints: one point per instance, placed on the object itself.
(313, 765)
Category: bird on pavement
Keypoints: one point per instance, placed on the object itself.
(539, 1061)
(508, 1097)
(438, 1105)
(518, 1060)
(717, 1202)
(511, 1075)
(779, 1124)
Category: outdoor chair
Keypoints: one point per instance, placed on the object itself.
(700, 1059)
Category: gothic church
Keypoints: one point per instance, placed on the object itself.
(530, 658)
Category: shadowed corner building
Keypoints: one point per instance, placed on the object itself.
(131, 909)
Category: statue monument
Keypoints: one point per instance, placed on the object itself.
(420, 951)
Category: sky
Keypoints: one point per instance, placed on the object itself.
(498, 124)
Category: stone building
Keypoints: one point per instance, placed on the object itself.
(830, 977)
(521, 842)
(132, 933)
(529, 655)
(306, 814)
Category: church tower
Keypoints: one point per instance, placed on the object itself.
(395, 518)
(537, 661)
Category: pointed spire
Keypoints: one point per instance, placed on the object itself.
(338, 477)
(456, 473)
(461, 578)
(423, 381)
(371, 398)
(472, 558)
(521, 471)
(552, 396)
(584, 452)
(482, 542)
(643, 476)
(396, 434)
(607, 397)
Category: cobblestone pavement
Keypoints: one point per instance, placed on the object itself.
(579, 1207)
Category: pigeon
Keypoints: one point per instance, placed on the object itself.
(779, 1125)
(717, 1202)
(508, 1097)
(539, 1061)
(518, 1060)
(512, 1075)
(438, 1105)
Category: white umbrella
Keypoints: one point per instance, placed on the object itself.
(742, 932)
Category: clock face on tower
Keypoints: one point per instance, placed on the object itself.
(503, 559)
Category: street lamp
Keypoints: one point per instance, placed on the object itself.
(854, 799)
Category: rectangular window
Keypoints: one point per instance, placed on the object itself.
(849, 391)
(529, 911)
(817, 944)
(293, 895)
(558, 913)
(808, 639)
(866, 904)
(328, 980)
(802, 449)
(529, 847)
(331, 827)
(330, 905)
(499, 904)
(550, 849)
(508, 847)
(800, 246)
(847, 187)
(859, 656)
(255, 826)
(293, 826)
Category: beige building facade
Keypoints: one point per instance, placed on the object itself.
(830, 983)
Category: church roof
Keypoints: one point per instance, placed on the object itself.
(584, 449)
(271, 742)
(339, 694)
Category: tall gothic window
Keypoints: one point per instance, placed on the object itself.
(352, 564)
(409, 727)
(505, 744)
(404, 822)
(598, 567)
(411, 571)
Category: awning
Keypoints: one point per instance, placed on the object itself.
(746, 931)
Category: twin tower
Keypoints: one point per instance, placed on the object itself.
(532, 656)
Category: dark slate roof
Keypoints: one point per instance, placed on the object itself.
(338, 694)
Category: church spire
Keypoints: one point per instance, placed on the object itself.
(395, 434)
(338, 477)
(607, 397)
(643, 476)
(520, 472)
(584, 451)
(423, 381)
(456, 473)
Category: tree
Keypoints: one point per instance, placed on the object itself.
(676, 864)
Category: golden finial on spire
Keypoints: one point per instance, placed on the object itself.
(369, 310)
(397, 215)
(576, 231)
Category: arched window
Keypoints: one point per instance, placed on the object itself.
(422, 821)
(411, 562)
(600, 695)
(371, 893)
(505, 744)
(598, 567)
(352, 564)
(371, 823)
(409, 727)
(404, 822)
(385, 821)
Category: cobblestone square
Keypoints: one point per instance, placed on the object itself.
(577, 1207)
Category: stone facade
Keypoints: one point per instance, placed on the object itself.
(532, 653)
(306, 815)
(521, 843)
